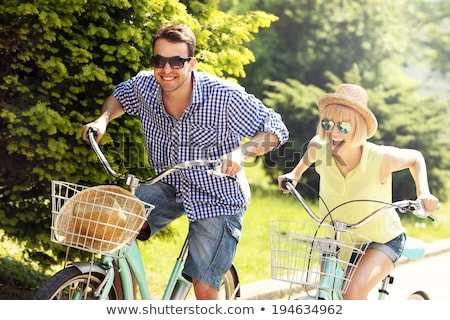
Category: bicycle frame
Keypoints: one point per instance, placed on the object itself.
(132, 263)
(331, 267)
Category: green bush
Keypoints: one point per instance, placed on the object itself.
(18, 280)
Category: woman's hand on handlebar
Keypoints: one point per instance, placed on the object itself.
(281, 183)
(431, 203)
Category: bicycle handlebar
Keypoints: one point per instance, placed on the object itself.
(92, 135)
(415, 207)
(132, 181)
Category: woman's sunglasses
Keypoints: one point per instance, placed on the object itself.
(343, 126)
(174, 62)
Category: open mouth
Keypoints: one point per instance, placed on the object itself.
(336, 143)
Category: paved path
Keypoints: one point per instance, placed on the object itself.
(431, 275)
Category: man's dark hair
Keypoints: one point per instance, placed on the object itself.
(177, 33)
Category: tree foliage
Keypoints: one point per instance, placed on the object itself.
(433, 26)
(312, 38)
(315, 45)
(59, 60)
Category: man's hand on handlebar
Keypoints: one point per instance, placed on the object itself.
(233, 163)
(98, 125)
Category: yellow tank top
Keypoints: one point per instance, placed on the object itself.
(362, 183)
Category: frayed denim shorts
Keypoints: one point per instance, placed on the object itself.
(393, 249)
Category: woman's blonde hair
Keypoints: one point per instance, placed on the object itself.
(337, 112)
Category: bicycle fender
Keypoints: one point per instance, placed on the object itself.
(86, 267)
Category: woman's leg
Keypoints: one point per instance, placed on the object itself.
(373, 267)
(378, 261)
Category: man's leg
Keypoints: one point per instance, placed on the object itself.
(212, 247)
(167, 207)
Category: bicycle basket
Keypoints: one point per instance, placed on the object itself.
(101, 219)
(303, 253)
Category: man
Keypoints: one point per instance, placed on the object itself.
(189, 115)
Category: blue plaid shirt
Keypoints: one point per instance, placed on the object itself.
(219, 116)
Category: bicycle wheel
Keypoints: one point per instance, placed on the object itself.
(230, 286)
(419, 295)
(72, 284)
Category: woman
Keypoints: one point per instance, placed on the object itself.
(350, 167)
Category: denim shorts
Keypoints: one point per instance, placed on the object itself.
(212, 242)
(393, 249)
(212, 247)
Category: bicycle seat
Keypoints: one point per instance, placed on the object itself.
(414, 248)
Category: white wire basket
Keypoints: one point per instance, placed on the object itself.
(103, 219)
(305, 254)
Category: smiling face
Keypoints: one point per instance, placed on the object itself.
(169, 78)
(342, 126)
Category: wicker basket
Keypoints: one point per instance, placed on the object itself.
(304, 254)
(101, 219)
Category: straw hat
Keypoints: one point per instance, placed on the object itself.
(354, 97)
(101, 218)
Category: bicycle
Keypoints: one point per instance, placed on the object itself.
(119, 271)
(322, 257)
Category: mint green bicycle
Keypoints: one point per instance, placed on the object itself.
(105, 221)
(321, 257)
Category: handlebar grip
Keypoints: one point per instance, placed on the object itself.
(93, 132)
(285, 181)
(422, 205)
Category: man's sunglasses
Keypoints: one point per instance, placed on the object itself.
(174, 62)
(343, 126)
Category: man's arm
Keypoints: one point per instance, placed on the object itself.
(260, 144)
(111, 109)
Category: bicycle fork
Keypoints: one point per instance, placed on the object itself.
(178, 287)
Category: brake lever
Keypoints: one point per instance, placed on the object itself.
(421, 212)
(216, 170)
